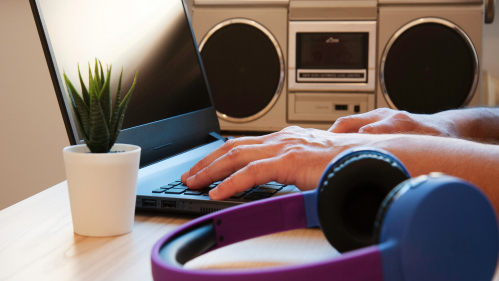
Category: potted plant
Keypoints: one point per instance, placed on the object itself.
(101, 175)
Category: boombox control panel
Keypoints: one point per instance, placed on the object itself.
(275, 63)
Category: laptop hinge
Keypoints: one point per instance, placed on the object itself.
(214, 137)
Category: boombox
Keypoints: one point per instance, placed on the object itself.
(275, 63)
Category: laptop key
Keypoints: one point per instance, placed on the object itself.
(256, 196)
(274, 187)
(184, 187)
(275, 184)
(166, 187)
(193, 192)
(238, 195)
(264, 190)
(174, 191)
(159, 190)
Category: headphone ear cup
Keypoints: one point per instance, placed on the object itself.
(395, 193)
(438, 228)
(350, 194)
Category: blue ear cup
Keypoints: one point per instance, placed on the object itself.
(438, 228)
(351, 191)
(428, 228)
(395, 193)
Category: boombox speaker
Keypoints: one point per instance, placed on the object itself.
(429, 54)
(428, 66)
(244, 65)
(243, 45)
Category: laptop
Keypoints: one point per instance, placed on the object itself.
(171, 115)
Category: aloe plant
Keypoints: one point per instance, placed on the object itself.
(98, 119)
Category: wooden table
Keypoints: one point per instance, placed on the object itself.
(37, 243)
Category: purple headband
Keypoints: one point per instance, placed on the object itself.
(261, 218)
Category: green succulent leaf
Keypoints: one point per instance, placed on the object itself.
(81, 109)
(121, 117)
(79, 122)
(129, 92)
(123, 106)
(95, 88)
(97, 77)
(84, 91)
(98, 119)
(105, 97)
(99, 134)
(101, 76)
(90, 80)
(114, 116)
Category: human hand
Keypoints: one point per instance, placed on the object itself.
(292, 156)
(389, 121)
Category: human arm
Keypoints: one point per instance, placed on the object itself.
(299, 156)
(475, 162)
(481, 124)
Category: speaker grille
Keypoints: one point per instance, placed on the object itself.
(428, 67)
(244, 67)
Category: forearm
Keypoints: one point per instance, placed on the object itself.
(480, 124)
(475, 162)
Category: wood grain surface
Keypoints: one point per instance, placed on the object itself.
(37, 243)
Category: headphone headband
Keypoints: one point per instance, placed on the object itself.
(247, 221)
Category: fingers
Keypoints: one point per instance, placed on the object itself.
(255, 173)
(215, 154)
(237, 158)
(381, 127)
(352, 123)
(400, 122)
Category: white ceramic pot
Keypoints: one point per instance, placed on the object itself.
(102, 189)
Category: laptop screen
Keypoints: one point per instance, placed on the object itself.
(153, 37)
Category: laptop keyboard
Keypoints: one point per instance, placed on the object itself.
(254, 193)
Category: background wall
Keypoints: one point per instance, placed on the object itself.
(31, 127)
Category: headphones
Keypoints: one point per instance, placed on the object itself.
(387, 226)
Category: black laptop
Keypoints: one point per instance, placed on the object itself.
(171, 114)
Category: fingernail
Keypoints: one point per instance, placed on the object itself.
(214, 193)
